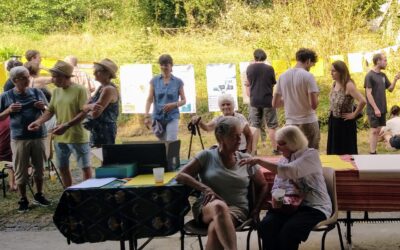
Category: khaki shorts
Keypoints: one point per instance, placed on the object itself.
(256, 116)
(311, 131)
(25, 154)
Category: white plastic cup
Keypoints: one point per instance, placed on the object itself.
(277, 197)
(53, 175)
(158, 174)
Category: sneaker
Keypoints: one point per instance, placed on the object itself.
(39, 199)
(23, 205)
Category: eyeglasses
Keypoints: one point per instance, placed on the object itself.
(22, 78)
(56, 75)
(98, 70)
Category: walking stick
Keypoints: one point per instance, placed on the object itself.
(193, 128)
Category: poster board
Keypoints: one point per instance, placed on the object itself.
(134, 87)
(221, 79)
(186, 74)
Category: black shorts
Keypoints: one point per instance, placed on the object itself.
(375, 122)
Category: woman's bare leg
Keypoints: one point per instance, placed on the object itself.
(212, 238)
(218, 212)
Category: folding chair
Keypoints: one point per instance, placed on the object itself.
(49, 160)
(194, 229)
(330, 223)
(4, 175)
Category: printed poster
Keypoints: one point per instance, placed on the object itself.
(221, 79)
(186, 74)
(134, 87)
(355, 62)
(243, 78)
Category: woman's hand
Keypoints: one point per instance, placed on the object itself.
(147, 122)
(195, 119)
(349, 116)
(92, 107)
(249, 161)
(209, 196)
(169, 106)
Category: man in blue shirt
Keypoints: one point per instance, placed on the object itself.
(24, 105)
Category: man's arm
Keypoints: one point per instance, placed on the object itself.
(277, 101)
(313, 100)
(371, 101)
(393, 84)
(62, 128)
(247, 86)
(34, 126)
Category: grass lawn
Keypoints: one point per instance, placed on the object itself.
(39, 218)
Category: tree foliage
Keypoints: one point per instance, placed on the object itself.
(54, 15)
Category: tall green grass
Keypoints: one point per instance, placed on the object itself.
(327, 26)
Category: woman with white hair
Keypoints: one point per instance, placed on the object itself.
(226, 104)
(301, 167)
(224, 186)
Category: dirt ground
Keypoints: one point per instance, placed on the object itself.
(366, 236)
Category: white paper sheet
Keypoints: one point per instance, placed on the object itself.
(378, 166)
(355, 62)
(135, 84)
(93, 183)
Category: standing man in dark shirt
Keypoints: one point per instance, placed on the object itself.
(260, 83)
(375, 84)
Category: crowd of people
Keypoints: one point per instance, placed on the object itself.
(31, 116)
(222, 173)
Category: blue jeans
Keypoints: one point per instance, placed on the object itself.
(81, 151)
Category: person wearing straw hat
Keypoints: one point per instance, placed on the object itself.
(103, 107)
(70, 136)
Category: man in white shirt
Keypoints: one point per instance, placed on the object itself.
(297, 92)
